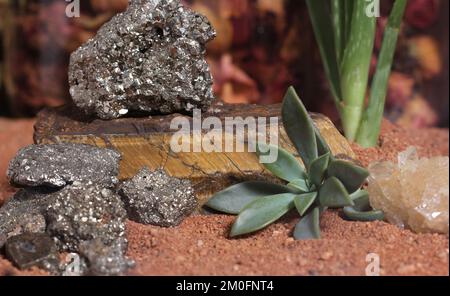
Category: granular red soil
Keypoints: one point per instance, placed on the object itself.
(200, 246)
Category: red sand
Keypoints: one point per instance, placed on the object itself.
(200, 245)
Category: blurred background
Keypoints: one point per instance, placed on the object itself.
(263, 46)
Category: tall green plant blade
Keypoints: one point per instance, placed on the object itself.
(371, 122)
(338, 18)
(286, 166)
(235, 198)
(355, 68)
(309, 226)
(348, 6)
(261, 213)
(322, 25)
(299, 127)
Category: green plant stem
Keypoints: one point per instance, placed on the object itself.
(321, 23)
(355, 68)
(373, 115)
(338, 17)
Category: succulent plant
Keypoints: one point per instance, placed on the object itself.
(327, 182)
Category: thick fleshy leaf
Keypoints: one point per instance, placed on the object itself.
(322, 145)
(262, 212)
(359, 194)
(300, 184)
(309, 226)
(235, 198)
(286, 167)
(318, 169)
(333, 194)
(362, 211)
(299, 127)
(352, 176)
(304, 201)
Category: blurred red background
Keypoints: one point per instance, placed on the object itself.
(263, 46)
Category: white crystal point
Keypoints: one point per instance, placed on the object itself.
(413, 193)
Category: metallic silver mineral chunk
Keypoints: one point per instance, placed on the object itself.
(150, 58)
(58, 165)
(25, 212)
(33, 249)
(103, 260)
(158, 199)
(83, 212)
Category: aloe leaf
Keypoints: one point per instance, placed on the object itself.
(371, 123)
(355, 67)
(338, 18)
(362, 210)
(309, 226)
(235, 198)
(352, 176)
(262, 212)
(300, 184)
(318, 169)
(304, 201)
(286, 167)
(299, 127)
(333, 194)
(322, 25)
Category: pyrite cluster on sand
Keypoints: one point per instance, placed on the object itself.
(149, 59)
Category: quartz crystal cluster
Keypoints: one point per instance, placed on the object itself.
(413, 193)
(151, 58)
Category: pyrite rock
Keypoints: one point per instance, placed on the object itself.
(158, 199)
(58, 165)
(84, 212)
(148, 59)
(33, 249)
(103, 260)
(24, 212)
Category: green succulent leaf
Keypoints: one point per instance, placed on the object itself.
(309, 226)
(304, 201)
(318, 169)
(359, 194)
(333, 194)
(299, 127)
(235, 198)
(286, 167)
(262, 212)
(352, 176)
(362, 211)
(322, 145)
(300, 184)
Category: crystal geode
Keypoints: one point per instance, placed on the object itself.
(150, 58)
(413, 193)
